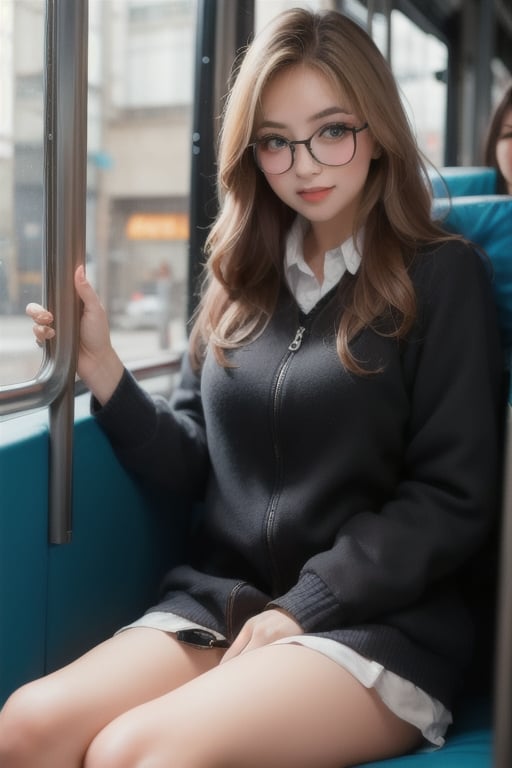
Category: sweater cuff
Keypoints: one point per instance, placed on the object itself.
(311, 603)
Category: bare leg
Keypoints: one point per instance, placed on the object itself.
(282, 706)
(49, 723)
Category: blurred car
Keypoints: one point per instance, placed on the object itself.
(144, 310)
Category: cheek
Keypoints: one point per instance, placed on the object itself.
(504, 157)
(277, 184)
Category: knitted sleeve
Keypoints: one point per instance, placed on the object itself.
(162, 442)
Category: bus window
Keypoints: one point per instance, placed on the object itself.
(420, 61)
(22, 34)
(140, 91)
(141, 59)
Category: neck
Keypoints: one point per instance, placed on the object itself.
(315, 248)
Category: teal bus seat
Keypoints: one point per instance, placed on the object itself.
(124, 539)
(487, 221)
(58, 601)
(469, 744)
(475, 740)
(459, 181)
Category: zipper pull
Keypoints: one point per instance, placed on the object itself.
(294, 346)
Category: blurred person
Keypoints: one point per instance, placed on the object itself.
(498, 144)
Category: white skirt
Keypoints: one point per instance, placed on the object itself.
(402, 697)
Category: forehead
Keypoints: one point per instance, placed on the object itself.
(298, 93)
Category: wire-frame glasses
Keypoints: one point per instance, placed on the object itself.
(333, 144)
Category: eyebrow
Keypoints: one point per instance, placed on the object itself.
(328, 112)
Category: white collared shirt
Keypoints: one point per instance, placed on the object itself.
(300, 277)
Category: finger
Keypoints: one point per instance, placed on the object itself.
(43, 333)
(39, 313)
(230, 653)
(236, 648)
(84, 288)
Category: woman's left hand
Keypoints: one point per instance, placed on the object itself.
(261, 630)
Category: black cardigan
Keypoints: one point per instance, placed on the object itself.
(349, 501)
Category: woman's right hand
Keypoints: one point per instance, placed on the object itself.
(98, 365)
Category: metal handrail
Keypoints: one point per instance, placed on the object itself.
(65, 184)
(65, 148)
(167, 364)
(67, 189)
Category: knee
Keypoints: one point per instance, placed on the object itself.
(25, 727)
(116, 746)
(125, 743)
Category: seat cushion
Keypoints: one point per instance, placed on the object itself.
(468, 743)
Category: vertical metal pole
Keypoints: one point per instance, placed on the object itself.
(65, 171)
(503, 661)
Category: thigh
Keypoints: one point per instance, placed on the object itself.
(276, 706)
(80, 699)
(132, 667)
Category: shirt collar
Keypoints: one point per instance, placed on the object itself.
(346, 256)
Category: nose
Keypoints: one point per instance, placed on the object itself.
(304, 163)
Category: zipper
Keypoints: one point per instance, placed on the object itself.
(297, 341)
(293, 347)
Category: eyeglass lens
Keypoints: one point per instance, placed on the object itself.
(330, 145)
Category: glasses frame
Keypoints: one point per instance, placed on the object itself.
(307, 144)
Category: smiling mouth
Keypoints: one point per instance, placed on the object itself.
(315, 194)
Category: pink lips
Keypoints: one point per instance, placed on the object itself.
(315, 194)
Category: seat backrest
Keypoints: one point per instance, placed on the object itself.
(458, 181)
(472, 742)
(487, 221)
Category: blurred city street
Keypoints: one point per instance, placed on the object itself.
(20, 357)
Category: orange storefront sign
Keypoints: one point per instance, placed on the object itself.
(157, 226)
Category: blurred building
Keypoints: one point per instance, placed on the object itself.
(21, 150)
(140, 99)
(141, 55)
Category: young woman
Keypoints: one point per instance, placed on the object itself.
(498, 145)
(338, 413)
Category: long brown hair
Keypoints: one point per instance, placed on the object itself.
(245, 245)
(493, 134)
